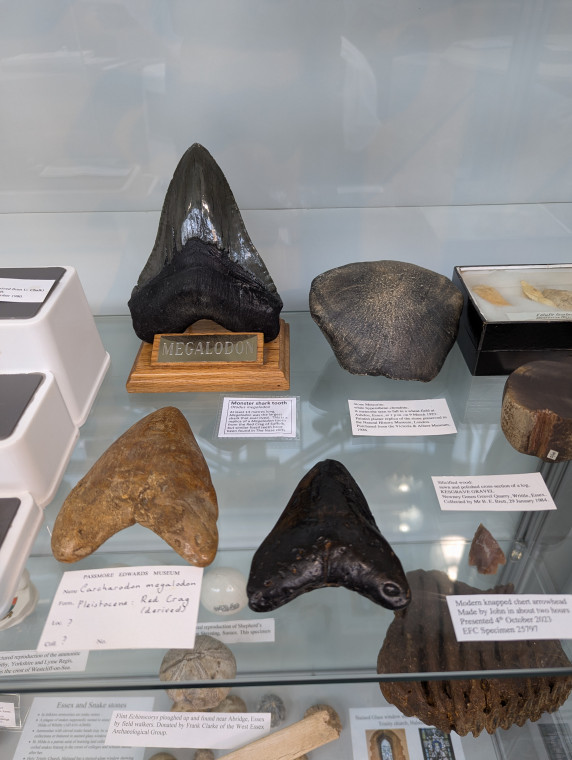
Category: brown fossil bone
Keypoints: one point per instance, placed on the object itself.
(154, 474)
(485, 553)
(422, 638)
(319, 726)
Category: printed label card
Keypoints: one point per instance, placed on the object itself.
(75, 728)
(385, 418)
(258, 417)
(383, 732)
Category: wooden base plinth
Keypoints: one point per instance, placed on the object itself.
(273, 374)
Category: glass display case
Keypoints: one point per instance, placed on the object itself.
(325, 643)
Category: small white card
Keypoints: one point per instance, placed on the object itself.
(24, 291)
(74, 728)
(258, 417)
(7, 714)
(507, 617)
(523, 493)
(540, 316)
(240, 631)
(25, 662)
(124, 608)
(376, 731)
(186, 729)
(426, 417)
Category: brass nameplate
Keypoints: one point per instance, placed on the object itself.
(187, 348)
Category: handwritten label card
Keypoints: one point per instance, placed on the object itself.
(258, 418)
(24, 291)
(240, 631)
(505, 617)
(527, 492)
(186, 729)
(7, 714)
(74, 728)
(428, 417)
(124, 608)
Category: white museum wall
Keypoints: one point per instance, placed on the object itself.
(436, 133)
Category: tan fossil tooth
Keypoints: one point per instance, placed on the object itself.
(534, 294)
(491, 295)
(154, 474)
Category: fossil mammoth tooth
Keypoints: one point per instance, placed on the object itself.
(422, 638)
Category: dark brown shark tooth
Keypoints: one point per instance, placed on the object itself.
(203, 264)
(154, 474)
(387, 318)
(326, 536)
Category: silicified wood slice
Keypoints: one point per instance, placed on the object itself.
(154, 474)
(536, 415)
(326, 536)
(422, 639)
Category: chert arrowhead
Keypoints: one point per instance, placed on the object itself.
(485, 553)
(203, 264)
(154, 474)
(326, 536)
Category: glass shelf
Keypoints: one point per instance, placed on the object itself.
(330, 636)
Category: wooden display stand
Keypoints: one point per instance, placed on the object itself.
(269, 372)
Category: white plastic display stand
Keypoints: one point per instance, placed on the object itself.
(37, 435)
(20, 521)
(46, 326)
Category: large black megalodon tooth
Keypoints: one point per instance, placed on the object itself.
(203, 264)
(326, 536)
